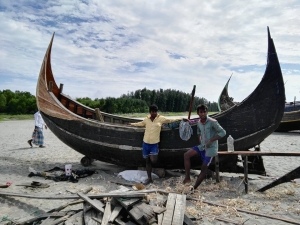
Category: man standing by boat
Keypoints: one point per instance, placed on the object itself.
(152, 123)
(38, 135)
(209, 131)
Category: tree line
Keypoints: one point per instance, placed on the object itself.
(19, 102)
(139, 101)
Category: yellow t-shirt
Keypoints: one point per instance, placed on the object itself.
(153, 128)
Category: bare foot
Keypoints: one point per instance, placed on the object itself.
(186, 180)
(148, 181)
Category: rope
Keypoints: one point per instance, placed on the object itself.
(185, 130)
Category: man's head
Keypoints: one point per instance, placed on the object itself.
(153, 110)
(202, 111)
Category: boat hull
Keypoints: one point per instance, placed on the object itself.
(108, 138)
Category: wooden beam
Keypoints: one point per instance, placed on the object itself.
(61, 87)
(253, 153)
(96, 205)
(168, 215)
(107, 214)
(98, 115)
(103, 195)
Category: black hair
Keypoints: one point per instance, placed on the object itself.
(153, 107)
(201, 107)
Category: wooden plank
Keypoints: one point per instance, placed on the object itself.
(168, 215)
(294, 174)
(179, 210)
(107, 213)
(97, 205)
(88, 215)
(126, 203)
(66, 205)
(187, 220)
(136, 213)
(76, 219)
(53, 217)
(103, 195)
(38, 218)
(116, 211)
(253, 153)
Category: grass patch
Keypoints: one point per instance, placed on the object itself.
(5, 117)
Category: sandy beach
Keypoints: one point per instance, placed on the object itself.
(17, 156)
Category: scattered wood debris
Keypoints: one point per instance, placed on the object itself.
(122, 210)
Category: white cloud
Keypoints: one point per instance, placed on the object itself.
(107, 48)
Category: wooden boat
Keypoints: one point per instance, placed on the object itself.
(224, 101)
(291, 116)
(290, 121)
(108, 138)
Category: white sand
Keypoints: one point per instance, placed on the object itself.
(16, 157)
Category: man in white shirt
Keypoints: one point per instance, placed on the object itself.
(37, 135)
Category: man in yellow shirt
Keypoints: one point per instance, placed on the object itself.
(152, 123)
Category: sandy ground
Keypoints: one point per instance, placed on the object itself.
(17, 156)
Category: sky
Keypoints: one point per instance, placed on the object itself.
(109, 48)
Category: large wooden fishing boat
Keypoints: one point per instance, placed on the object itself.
(108, 138)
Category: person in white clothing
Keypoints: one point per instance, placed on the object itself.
(38, 135)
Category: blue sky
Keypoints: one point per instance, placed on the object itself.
(108, 48)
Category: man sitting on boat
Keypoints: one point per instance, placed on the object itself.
(209, 131)
(152, 123)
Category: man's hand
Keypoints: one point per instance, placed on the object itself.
(185, 120)
(46, 127)
(208, 144)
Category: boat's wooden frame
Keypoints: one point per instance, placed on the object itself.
(108, 138)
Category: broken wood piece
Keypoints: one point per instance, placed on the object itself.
(66, 205)
(127, 202)
(62, 219)
(96, 204)
(227, 220)
(157, 209)
(294, 174)
(146, 210)
(89, 215)
(107, 213)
